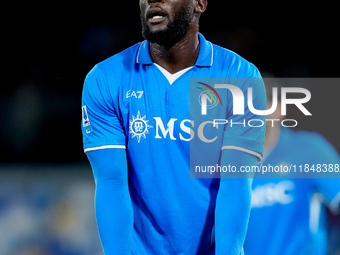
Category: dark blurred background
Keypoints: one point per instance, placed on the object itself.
(49, 48)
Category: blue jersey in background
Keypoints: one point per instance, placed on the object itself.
(288, 214)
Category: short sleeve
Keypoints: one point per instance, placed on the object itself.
(246, 131)
(101, 126)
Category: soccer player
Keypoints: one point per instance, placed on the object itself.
(288, 214)
(137, 133)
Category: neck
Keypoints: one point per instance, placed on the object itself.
(181, 55)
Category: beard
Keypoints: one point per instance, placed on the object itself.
(174, 31)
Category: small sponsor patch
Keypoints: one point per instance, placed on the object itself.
(86, 121)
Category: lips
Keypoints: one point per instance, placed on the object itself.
(156, 19)
(156, 15)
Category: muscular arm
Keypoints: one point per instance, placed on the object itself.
(112, 200)
(233, 206)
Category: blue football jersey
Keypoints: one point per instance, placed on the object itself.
(288, 214)
(128, 103)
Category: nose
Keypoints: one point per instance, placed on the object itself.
(144, 3)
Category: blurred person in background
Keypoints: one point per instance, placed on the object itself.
(288, 215)
(146, 202)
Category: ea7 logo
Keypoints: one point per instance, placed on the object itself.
(238, 100)
(135, 94)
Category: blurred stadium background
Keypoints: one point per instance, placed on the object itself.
(46, 185)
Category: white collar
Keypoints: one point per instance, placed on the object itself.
(172, 77)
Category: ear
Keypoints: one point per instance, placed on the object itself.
(201, 6)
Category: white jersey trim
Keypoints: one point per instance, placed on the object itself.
(172, 77)
(137, 58)
(212, 54)
(229, 147)
(314, 212)
(105, 147)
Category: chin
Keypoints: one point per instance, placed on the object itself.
(159, 28)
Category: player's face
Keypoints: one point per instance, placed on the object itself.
(159, 14)
(166, 21)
